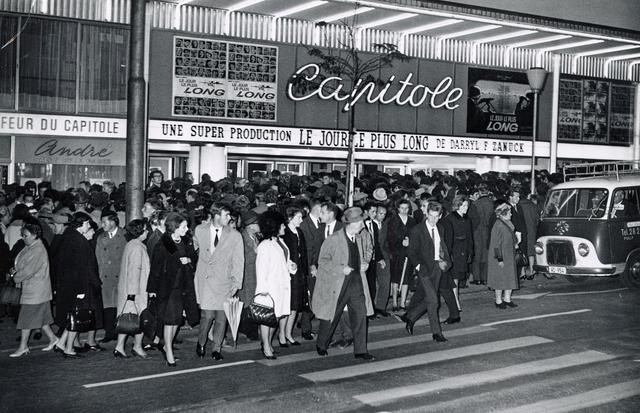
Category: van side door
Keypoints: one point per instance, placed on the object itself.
(624, 222)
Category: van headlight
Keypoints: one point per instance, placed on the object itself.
(583, 249)
(539, 248)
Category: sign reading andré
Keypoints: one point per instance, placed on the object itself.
(63, 151)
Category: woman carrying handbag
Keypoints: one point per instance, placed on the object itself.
(273, 282)
(132, 285)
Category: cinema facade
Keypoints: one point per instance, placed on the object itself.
(224, 95)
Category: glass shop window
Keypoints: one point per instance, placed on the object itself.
(104, 54)
(289, 168)
(48, 66)
(8, 32)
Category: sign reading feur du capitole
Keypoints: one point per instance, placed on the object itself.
(301, 138)
(55, 125)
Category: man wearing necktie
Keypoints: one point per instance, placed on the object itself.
(429, 253)
(218, 276)
(109, 250)
(341, 280)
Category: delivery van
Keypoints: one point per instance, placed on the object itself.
(590, 224)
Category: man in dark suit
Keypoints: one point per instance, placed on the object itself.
(313, 231)
(377, 259)
(427, 251)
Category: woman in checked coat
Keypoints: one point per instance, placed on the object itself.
(503, 275)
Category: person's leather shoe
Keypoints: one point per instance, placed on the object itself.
(308, 335)
(452, 320)
(200, 350)
(365, 356)
(95, 348)
(408, 324)
(501, 306)
(345, 343)
(439, 338)
(321, 352)
(216, 355)
(510, 304)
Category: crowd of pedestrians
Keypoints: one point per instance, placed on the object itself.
(286, 242)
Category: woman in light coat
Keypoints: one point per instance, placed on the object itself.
(132, 283)
(273, 269)
(32, 272)
(502, 272)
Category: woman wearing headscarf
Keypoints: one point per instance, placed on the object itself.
(32, 273)
(77, 281)
(502, 272)
(273, 281)
(132, 283)
(171, 278)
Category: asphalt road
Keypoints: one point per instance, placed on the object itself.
(566, 347)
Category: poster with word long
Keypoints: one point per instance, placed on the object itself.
(595, 111)
(219, 79)
(499, 103)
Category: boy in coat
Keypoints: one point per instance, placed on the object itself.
(341, 280)
(219, 275)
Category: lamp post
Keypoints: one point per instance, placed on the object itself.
(536, 77)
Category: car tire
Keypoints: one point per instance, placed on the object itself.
(631, 275)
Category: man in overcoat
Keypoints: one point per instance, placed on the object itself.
(427, 250)
(109, 250)
(219, 275)
(342, 280)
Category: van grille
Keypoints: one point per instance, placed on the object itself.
(560, 253)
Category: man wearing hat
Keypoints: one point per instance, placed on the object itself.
(341, 280)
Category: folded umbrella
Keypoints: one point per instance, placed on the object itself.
(233, 310)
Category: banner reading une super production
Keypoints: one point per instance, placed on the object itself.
(218, 79)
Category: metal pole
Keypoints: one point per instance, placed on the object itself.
(136, 122)
(636, 130)
(553, 153)
(351, 159)
(533, 142)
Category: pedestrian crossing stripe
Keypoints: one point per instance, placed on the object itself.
(376, 345)
(484, 377)
(425, 358)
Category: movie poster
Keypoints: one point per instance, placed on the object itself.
(218, 79)
(595, 111)
(499, 103)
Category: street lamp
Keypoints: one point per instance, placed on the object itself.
(536, 77)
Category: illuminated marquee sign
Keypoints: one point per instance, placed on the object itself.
(442, 96)
(311, 138)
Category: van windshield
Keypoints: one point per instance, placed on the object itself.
(576, 203)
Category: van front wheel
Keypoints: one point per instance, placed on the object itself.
(631, 275)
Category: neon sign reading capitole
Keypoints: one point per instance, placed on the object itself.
(442, 96)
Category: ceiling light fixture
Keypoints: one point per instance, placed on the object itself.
(298, 9)
(346, 14)
(470, 31)
(387, 20)
(607, 50)
(431, 26)
(570, 45)
(243, 5)
(541, 40)
(506, 36)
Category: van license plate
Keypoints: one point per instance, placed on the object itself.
(557, 270)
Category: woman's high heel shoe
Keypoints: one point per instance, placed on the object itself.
(119, 355)
(51, 346)
(285, 344)
(20, 353)
(271, 357)
(293, 342)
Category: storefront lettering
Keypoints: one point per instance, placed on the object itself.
(51, 148)
(313, 138)
(502, 123)
(91, 126)
(16, 122)
(409, 93)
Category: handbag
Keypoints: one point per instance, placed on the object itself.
(81, 318)
(521, 259)
(10, 294)
(148, 321)
(128, 323)
(263, 314)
